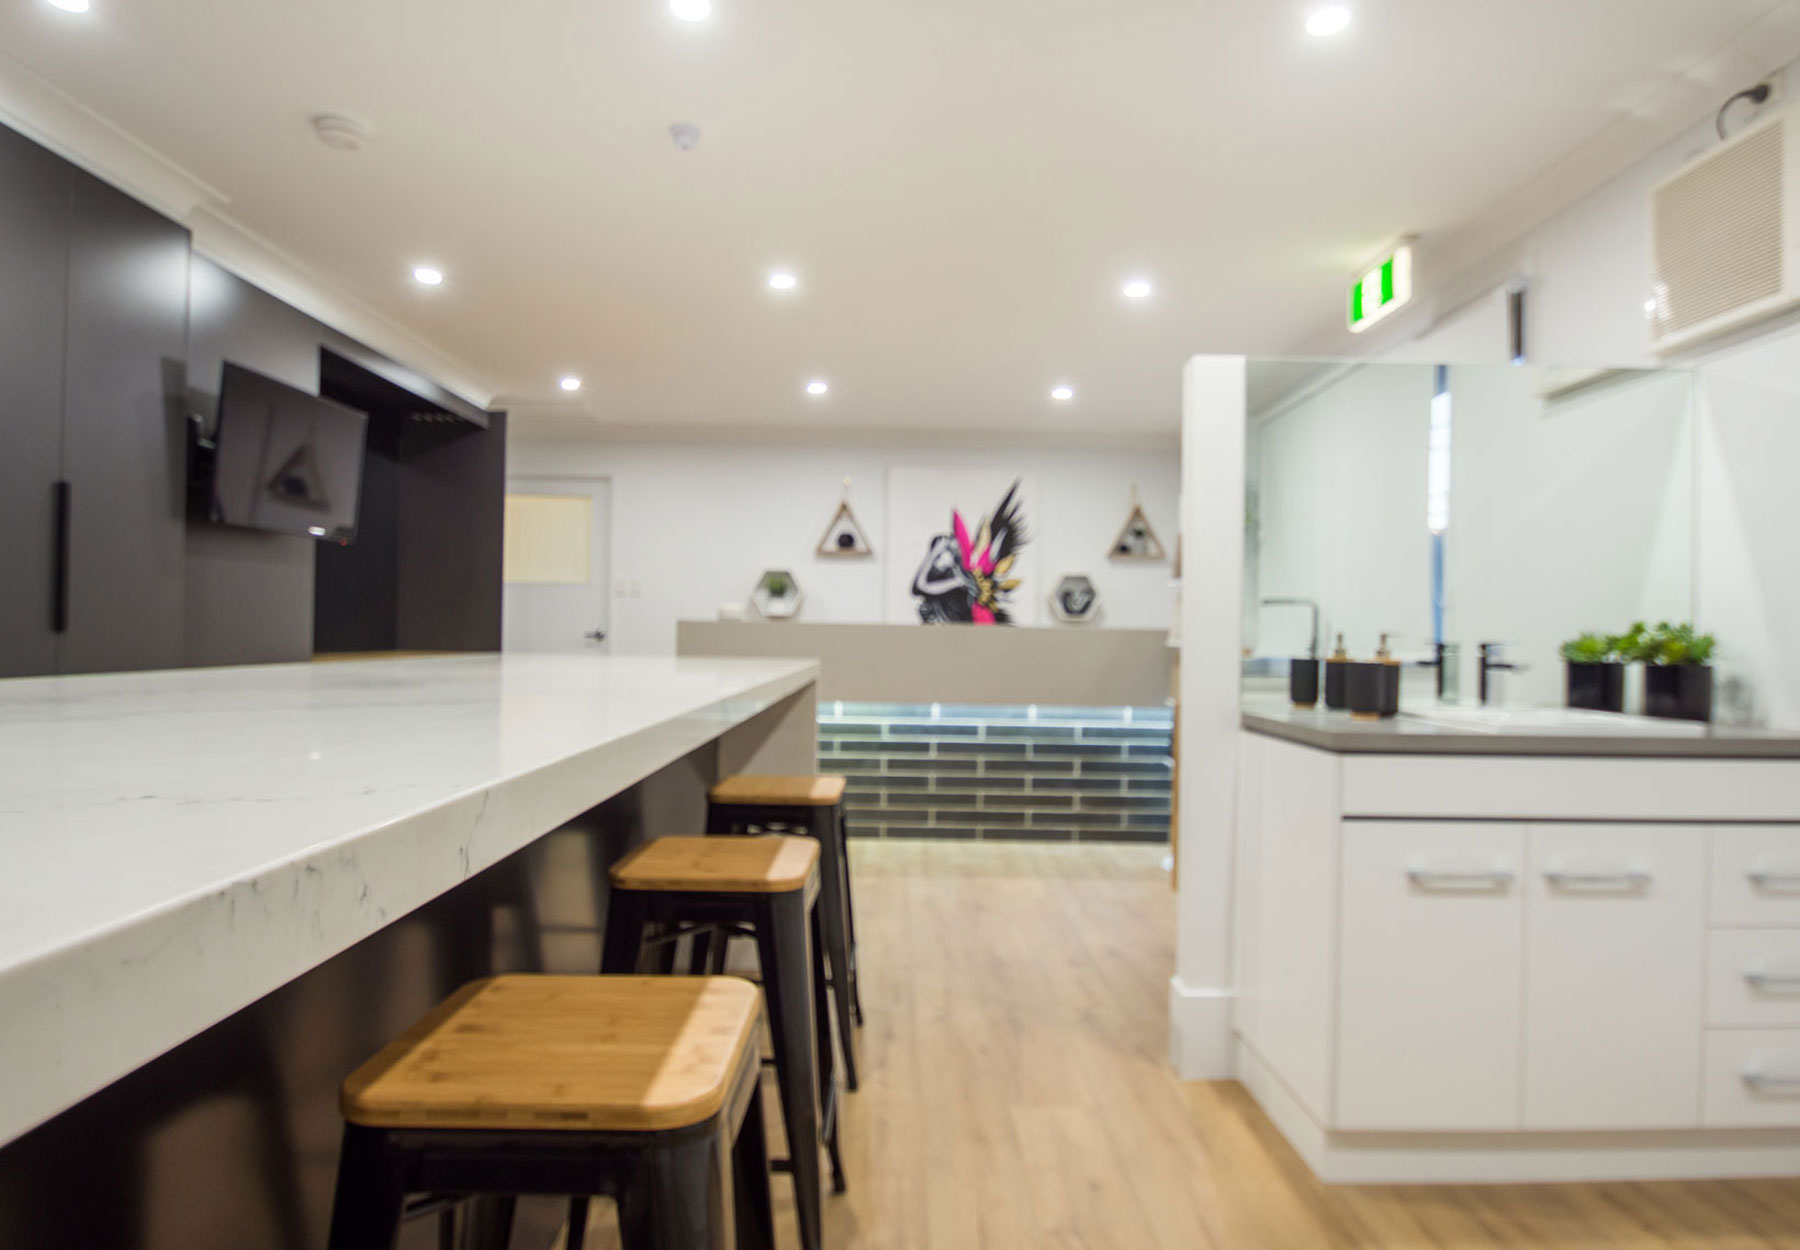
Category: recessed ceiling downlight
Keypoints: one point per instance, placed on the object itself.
(818, 386)
(334, 130)
(1062, 394)
(691, 10)
(426, 275)
(1137, 288)
(782, 280)
(70, 6)
(1332, 19)
(570, 384)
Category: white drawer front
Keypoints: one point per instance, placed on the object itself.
(1753, 978)
(1752, 1078)
(1756, 875)
(1615, 965)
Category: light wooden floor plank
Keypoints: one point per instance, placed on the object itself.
(1017, 1095)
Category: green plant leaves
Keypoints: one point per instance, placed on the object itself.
(1665, 644)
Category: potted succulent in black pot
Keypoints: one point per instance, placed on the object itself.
(1678, 678)
(1596, 674)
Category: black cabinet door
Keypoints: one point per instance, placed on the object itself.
(124, 446)
(34, 255)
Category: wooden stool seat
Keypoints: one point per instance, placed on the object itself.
(758, 791)
(763, 865)
(590, 1054)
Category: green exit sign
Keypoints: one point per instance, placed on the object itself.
(1384, 289)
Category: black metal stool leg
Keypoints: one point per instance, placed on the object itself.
(626, 916)
(830, 1106)
(837, 933)
(681, 1199)
(850, 911)
(750, 1177)
(576, 1237)
(371, 1193)
(784, 946)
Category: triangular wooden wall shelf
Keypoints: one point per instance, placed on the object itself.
(1138, 540)
(844, 538)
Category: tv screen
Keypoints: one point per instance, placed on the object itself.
(285, 460)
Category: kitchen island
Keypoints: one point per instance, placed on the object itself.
(1536, 947)
(223, 888)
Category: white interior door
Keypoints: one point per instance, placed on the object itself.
(558, 564)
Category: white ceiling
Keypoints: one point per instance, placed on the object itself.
(962, 187)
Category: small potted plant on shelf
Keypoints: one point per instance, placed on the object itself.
(1678, 677)
(1596, 675)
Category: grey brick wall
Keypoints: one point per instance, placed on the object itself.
(1044, 774)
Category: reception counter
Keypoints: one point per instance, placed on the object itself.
(222, 888)
(1067, 666)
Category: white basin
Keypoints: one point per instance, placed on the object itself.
(1555, 720)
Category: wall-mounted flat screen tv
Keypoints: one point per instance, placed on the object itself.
(285, 460)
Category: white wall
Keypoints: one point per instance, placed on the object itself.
(1341, 509)
(1588, 273)
(695, 524)
(1565, 517)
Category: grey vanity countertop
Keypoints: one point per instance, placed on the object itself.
(1406, 735)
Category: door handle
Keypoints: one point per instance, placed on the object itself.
(1773, 980)
(1464, 879)
(1786, 1084)
(1627, 879)
(1767, 879)
(61, 501)
(595, 635)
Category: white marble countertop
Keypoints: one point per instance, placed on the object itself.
(175, 845)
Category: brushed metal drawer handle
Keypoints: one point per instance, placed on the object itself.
(1433, 879)
(1630, 879)
(1773, 980)
(1763, 879)
(1766, 1083)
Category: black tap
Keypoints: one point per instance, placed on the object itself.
(1492, 663)
(1436, 661)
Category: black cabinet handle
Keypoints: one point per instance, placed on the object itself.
(59, 586)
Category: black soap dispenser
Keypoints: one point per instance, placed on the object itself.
(1303, 683)
(1337, 669)
(1374, 686)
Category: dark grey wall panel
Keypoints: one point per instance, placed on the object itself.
(34, 256)
(356, 589)
(452, 522)
(249, 597)
(123, 441)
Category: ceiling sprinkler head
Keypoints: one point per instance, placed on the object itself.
(346, 134)
(686, 137)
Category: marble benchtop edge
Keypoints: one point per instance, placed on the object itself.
(81, 1012)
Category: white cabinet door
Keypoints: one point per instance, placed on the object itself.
(1430, 976)
(1614, 964)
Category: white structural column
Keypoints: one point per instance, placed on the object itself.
(1212, 579)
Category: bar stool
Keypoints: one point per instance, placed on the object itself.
(644, 1089)
(813, 805)
(767, 888)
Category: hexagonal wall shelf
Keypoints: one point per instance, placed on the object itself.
(1075, 601)
(777, 596)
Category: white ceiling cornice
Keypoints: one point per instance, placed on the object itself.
(48, 116)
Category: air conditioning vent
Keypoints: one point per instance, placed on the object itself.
(1722, 235)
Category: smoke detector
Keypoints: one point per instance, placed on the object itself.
(345, 134)
(686, 136)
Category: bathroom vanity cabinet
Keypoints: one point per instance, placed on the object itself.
(1520, 958)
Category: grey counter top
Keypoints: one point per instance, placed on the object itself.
(1524, 731)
